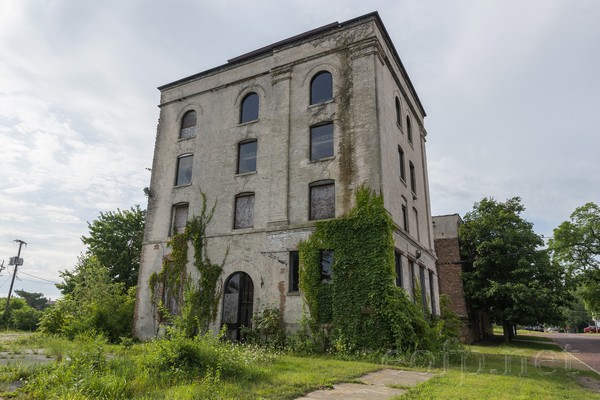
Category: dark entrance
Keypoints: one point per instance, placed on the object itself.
(237, 304)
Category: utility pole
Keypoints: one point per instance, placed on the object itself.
(16, 261)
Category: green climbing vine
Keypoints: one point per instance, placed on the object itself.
(199, 300)
(360, 304)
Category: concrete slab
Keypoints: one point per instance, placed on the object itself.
(376, 386)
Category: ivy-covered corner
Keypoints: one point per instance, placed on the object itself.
(361, 304)
(198, 301)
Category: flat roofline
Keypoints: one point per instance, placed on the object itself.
(303, 36)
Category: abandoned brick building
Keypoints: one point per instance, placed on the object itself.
(450, 264)
(279, 138)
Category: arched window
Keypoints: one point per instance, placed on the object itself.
(249, 109)
(238, 300)
(321, 88)
(398, 113)
(188, 125)
(409, 129)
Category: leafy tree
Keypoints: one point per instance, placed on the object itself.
(34, 300)
(94, 304)
(115, 240)
(576, 245)
(506, 274)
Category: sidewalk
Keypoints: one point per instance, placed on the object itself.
(380, 385)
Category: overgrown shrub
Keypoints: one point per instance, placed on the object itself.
(95, 305)
(20, 315)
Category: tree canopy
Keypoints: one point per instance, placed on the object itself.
(506, 274)
(115, 240)
(34, 300)
(576, 245)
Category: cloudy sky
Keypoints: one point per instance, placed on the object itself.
(511, 89)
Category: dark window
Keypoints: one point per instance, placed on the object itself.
(411, 266)
(404, 218)
(413, 181)
(423, 288)
(401, 162)
(238, 299)
(244, 211)
(321, 142)
(247, 157)
(409, 130)
(432, 292)
(322, 200)
(294, 267)
(326, 266)
(416, 214)
(321, 88)
(188, 125)
(398, 260)
(249, 110)
(398, 114)
(180, 216)
(184, 170)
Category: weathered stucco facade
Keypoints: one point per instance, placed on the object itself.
(376, 120)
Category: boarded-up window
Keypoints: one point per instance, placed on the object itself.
(188, 125)
(423, 287)
(184, 170)
(180, 216)
(398, 114)
(411, 267)
(409, 130)
(321, 142)
(244, 211)
(322, 200)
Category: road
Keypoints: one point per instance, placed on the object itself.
(584, 346)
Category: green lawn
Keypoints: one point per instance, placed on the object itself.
(486, 370)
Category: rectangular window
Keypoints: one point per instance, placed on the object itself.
(326, 266)
(184, 170)
(411, 267)
(423, 287)
(180, 216)
(398, 262)
(294, 273)
(401, 161)
(413, 182)
(247, 157)
(322, 201)
(244, 211)
(321, 142)
(416, 216)
(432, 291)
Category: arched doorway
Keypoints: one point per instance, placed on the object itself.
(238, 297)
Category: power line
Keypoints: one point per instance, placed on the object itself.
(37, 277)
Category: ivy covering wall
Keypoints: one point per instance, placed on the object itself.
(197, 301)
(360, 305)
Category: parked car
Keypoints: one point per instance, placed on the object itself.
(591, 329)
